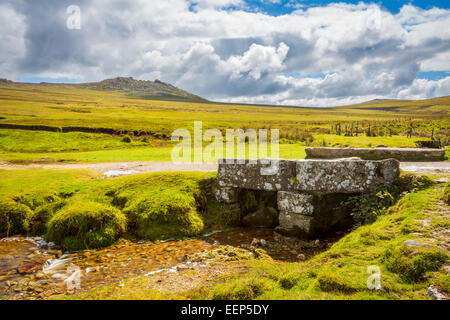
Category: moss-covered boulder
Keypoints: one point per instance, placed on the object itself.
(86, 225)
(14, 218)
(162, 215)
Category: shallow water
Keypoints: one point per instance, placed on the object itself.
(29, 269)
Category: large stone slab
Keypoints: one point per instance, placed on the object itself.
(309, 176)
(404, 154)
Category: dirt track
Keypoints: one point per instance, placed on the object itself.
(120, 168)
(111, 167)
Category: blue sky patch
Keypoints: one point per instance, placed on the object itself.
(433, 75)
(43, 79)
(281, 7)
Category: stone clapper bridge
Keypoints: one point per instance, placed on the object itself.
(304, 197)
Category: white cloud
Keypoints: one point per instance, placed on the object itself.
(257, 60)
(361, 51)
(423, 89)
(12, 40)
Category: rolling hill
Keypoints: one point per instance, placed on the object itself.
(436, 106)
(132, 88)
(142, 89)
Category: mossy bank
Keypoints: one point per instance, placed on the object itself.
(88, 212)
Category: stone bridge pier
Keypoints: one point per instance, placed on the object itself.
(309, 193)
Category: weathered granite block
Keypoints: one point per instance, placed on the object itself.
(405, 154)
(345, 175)
(226, 195)
(325, 176)
(310, 216)
(248, 174)
(297, 203)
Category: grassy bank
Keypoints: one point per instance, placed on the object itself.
(342, 272)
(79, 210)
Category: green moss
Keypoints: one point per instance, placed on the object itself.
(161, 206)
(14, 218)
(158, 205)
(42, 216)
(250, 201)
(163, 215)
(413, 264)
(411, 183)
(289, 280)
(36, 200)
(241, 289)
(86, 225)
(332, 281)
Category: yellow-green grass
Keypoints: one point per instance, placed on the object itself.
(24, 141)
(27, 197)
(164, 152)
(62, 105)
(342, 272)
(363, 141)
(23, 145)
(287, 151)
(32, 181)
(58, 106)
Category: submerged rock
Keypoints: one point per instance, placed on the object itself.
(29, 267)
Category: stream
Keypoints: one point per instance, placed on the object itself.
(30, 268)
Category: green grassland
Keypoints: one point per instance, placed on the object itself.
(27, 146)
(60, 106)
(150, 123)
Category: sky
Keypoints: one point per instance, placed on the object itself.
(281, 52)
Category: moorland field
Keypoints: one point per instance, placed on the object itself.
(80, 209)
(150, 123)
